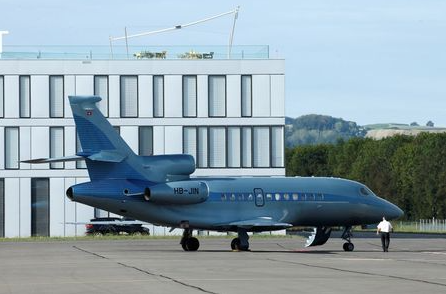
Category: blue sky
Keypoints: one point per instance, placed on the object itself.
(362, 60)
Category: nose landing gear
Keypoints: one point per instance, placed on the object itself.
(347, 235)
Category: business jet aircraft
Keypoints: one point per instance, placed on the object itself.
(158, 189)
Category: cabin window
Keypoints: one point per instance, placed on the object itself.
(232, 197)
(319, 197)
(269, 197)
(250, 197)
(223, 197)
(241, 197)
(311, 196)
(277, 196)
(286, 196)
(295, 196)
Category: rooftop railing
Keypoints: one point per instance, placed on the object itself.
(135, 52)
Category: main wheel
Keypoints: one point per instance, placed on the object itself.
(348, 247)
(191, 244)
(235, 244)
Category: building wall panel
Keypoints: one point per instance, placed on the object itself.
(84, 85)
(261, 103)
(202, 96)
(173, 99)
(145, 93)
(158, 140)
(69, 90)
(25, 207)
(233, 96)
(25, 146)
(2, 148)
(130, 136)
(278, 95)
(114, 102)
(40, 103)
(57, 195)
(40, 148)
(70, 146)
(11, 96)
(174, 141)
(12, 207)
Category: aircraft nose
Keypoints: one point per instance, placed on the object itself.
(393, 211)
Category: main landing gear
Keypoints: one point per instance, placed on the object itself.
(188, 242)
(241, 242)
(347, 235)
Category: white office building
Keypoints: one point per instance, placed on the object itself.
(226, 112)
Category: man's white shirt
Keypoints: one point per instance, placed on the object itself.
(385, 226)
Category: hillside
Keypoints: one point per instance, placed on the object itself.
(316, 129)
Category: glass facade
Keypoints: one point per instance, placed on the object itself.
(56, 96)
(40, 207)
(129, 96)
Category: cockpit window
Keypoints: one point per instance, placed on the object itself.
(364, 191)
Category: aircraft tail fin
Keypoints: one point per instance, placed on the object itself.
(107, 155)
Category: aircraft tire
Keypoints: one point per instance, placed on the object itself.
(191, 244)
(348, 247)
(235, 244)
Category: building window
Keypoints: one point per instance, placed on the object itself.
(2, 96)
(277, 147)
(56, 146)
(202, 152)
(246, 85)
(234, 147)
(217, 96)
(190, 141)
(101, 89)
(12, 154)
(190, 96)
(25, 96)
(145, 141)
(261, 144)
(40, 207)
(217, 147)
(158, 96)
(80, 164)
(2, 208)
(56, 96)
(246, 147)
(129, 96)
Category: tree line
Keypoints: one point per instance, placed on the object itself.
(408, 171)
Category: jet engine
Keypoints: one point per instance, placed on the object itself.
(181, 192)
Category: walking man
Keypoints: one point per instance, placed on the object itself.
(385, 227)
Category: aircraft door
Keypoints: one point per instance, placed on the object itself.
(259, 197)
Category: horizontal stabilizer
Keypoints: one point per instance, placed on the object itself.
(260, 222)
(56, 159)
(108, 156)
(104, 155)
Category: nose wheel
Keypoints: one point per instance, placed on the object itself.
(188, 242)
(347, 235)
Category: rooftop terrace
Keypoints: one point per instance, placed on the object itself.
(135, 52)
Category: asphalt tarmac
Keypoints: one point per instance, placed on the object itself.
(275, 265)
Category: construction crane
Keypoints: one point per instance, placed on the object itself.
(126, 37)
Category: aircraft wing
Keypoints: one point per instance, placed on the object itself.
(260, 223)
